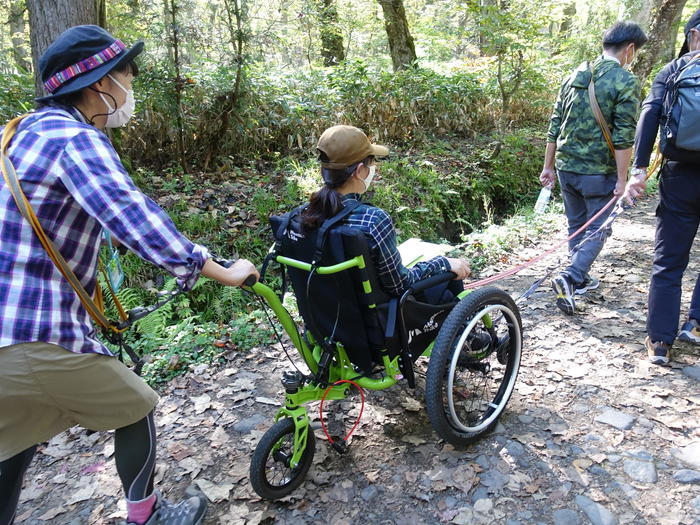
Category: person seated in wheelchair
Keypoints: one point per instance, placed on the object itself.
(348, 167)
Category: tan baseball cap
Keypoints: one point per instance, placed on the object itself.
(346, 145)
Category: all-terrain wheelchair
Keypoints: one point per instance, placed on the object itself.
(354, 332)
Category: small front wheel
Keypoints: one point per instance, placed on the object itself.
(271, 474)
(473, 366)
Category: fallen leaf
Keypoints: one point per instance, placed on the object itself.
(214, 493)
(52, 513)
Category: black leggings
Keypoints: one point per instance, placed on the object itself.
(11, 474)
(134, 455)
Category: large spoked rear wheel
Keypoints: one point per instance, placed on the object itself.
(474, 366)
(271, 474)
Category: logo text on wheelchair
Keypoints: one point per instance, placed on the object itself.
(430, 326)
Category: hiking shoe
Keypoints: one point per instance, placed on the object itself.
(690, 332)
(479, 340)
(659, 353)
(564, 289)
(187, 512)
(476, 342)
(589, 283)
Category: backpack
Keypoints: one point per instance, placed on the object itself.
(680, 118)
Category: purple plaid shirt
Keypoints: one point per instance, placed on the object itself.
(76, 184)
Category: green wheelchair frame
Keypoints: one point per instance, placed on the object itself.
(290, 443)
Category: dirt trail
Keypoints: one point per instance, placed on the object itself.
(593, 434)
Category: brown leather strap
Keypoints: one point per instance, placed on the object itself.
(598, 114)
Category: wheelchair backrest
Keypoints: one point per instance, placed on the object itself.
(340, 306)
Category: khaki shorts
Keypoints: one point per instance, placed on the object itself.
(45, 389)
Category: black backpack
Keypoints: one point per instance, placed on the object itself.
(680, 118)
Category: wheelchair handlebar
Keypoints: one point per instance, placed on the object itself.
(227, 263)
(432, 281)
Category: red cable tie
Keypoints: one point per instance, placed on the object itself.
(362, 407)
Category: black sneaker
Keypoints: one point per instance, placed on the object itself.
(476, 342)
(589, 283)
(659, 353)
(564, 289)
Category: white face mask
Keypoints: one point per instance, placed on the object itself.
(367, 181)
(118, 117)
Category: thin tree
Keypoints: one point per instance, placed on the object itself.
(49, 18)
(20, 51)
(171, 8)
(229, 101)
(661, 33)
(401, 46)
(332, 49)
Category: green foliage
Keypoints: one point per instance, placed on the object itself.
(191, 341)
(448, 193)
(497, 243)
(16, 95)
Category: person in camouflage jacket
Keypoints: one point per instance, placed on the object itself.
(588, 173)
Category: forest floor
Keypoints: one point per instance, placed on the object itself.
(593, 432)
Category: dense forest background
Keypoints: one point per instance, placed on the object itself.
(233, 94)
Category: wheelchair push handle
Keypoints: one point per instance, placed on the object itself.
(227, 263)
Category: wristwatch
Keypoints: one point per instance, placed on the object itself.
(636, 172)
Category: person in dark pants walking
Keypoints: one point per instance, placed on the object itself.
(677, 215)
(588, 173)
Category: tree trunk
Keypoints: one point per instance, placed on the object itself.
(49, 18)
(332, 48)
(661, 32)
(403, 51)
(642, 15)
(172, 7)
(568, 19)
(669, 51)
(20, 51)
(484, 12)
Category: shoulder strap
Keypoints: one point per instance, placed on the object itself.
(8, 172)
(598, 114)
(329, 223)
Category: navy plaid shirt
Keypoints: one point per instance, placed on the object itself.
(76, 184)
(379, 229)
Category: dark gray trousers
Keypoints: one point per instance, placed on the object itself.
(584, 196)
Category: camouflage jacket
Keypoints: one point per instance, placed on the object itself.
(581, 147)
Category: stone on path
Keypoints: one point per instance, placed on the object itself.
(465, 516)
(566, 517)
(690, 454)
(640, 467)
(244, 426)
(616, 419)
(692, 372)
(687, 476)
(483, 505)
(598, 514)
(369, 493)
(695, 502)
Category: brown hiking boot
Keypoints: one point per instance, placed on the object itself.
(659, 353)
